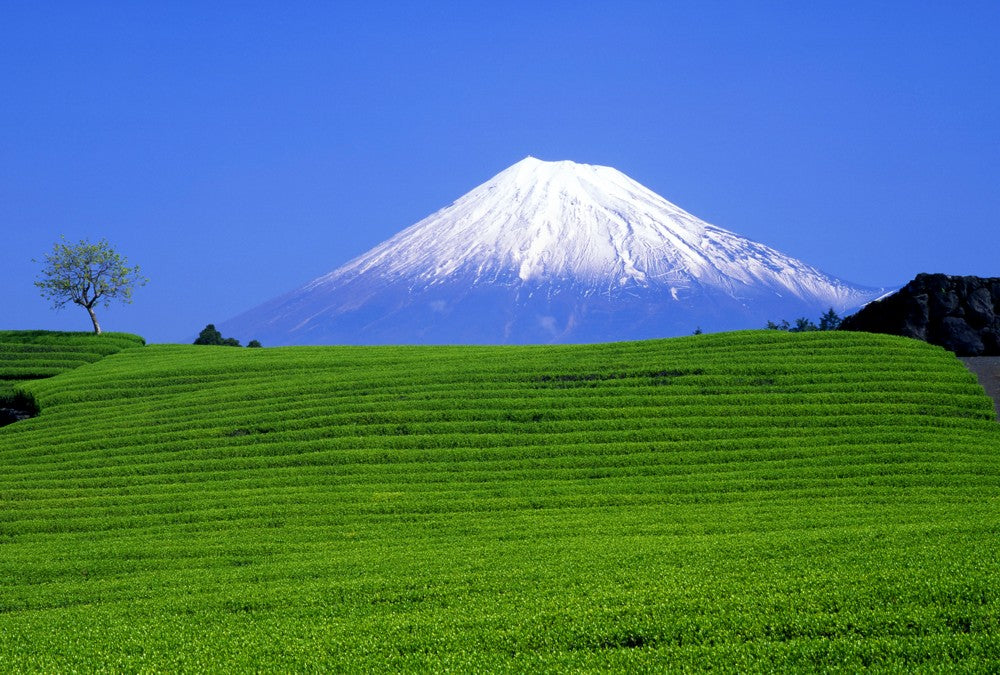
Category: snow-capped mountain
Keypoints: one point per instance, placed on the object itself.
(550, 252)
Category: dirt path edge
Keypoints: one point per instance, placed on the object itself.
(987, 370)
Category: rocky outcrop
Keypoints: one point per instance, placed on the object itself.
(961, 314)
(16, 408)
(11, 415)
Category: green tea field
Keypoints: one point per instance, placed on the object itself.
(736, 502)
(32, 355)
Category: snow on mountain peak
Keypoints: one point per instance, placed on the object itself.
(548, 220)
(540, 221)
(544, 231)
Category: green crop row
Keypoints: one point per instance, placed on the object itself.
(735, 502)
(32, 355)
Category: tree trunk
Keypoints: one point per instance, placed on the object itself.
(93, 317)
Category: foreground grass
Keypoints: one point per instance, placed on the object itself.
(741, 501)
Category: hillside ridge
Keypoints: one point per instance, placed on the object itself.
(27, 355)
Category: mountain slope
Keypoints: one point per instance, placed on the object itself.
(550, 252)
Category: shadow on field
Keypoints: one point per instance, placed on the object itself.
(16, 408)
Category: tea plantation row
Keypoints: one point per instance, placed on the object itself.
(31, 355)
(742, 501)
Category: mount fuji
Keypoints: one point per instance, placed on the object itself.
(550, 252)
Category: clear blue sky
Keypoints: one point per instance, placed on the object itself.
(237, 150)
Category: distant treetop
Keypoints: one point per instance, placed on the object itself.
(210, 335)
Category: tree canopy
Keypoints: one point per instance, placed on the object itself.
(828, 321)
(87, 274)
(210, 335)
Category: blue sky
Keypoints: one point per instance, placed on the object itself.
(237, 150)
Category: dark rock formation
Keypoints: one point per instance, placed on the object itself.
(16, 408)
(961, 314)
(11, 415)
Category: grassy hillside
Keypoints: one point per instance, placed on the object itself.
(35, 354)
(740, 501)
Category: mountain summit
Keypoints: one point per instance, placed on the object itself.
(550, 252)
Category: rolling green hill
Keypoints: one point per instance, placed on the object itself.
(37, 354)
(737, 501)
